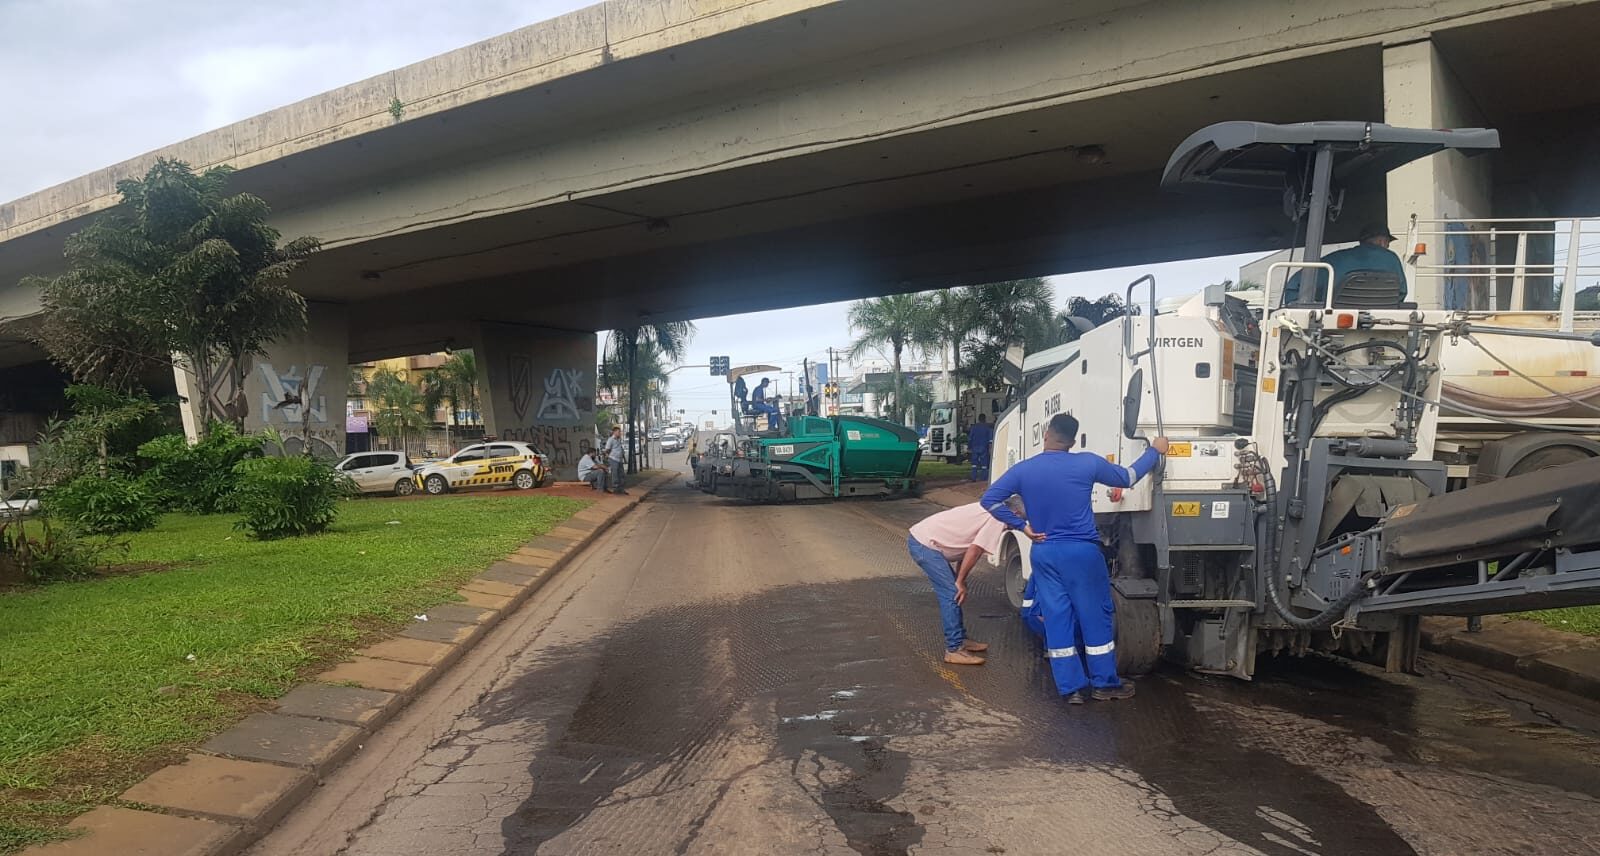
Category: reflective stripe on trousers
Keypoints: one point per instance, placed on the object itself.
(1072, 590)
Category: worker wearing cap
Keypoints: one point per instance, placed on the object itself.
(1372, 253)
(1072, 588)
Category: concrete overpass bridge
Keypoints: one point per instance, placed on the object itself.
(665, 159)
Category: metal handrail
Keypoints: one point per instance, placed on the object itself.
(1571, 269)
(1150, 345)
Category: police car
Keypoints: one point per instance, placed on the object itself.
(497, 464)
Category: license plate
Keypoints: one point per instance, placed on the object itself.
(1178, 449)
(1186, 509)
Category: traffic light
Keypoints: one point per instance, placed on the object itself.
(719, 366)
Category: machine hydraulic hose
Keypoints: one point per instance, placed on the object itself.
(1267, 546)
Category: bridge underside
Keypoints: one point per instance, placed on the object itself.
(442, 224)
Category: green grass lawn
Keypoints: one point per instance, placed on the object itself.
(106, 679)
(927, 469)
(1578, 619)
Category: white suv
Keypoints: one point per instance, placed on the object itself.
(380, 472)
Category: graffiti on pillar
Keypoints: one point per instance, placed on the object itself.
(289, 393)
(293, 401)
(519, 380)
(560, 396)
(564, 444)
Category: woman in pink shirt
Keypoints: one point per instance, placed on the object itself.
(947, 546)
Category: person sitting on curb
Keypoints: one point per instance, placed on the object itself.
(591, 471)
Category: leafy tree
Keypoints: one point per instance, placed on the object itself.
(1245, 285)
(1096, 312)
(178, 267)
(892, 326)
(915, 401)
(396, 406)
(1587, 300)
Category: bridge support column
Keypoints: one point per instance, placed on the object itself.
(538, 386)
(298, 388)
(1420, 91)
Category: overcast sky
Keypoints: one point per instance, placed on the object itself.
(88, 83)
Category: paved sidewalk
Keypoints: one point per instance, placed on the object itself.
(1555, 658)
(241, 782)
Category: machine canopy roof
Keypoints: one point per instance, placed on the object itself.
(1263, 156)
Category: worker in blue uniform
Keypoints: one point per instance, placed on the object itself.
(760, 403)
(1072, 587)
(1032, 617)
(980, 442)
(1371, 253)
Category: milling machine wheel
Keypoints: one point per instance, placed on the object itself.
(1015, 582)
(1138, 633)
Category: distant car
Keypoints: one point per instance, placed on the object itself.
(21, 504)
(380, 472)
(671, 443)
(653, 434)
(484, 465)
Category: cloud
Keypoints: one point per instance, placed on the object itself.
(89, 83)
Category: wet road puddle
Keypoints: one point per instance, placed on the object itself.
(844, 678)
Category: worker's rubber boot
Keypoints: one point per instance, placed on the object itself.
(974, 647)
(962, 658)
(1113, 693)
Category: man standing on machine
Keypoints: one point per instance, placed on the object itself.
(1071, 584)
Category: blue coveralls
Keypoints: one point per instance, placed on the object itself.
(1348, 260)
(1071, 586)
(760, 405)
(980, 440)
(1032, 616)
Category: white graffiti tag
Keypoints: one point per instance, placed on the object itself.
(287, 393)
(560, 395)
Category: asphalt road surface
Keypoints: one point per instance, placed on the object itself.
(713, 677)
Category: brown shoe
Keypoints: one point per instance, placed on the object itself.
(962, 658)
(975, 647)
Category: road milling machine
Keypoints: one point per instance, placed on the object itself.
(1302, 506)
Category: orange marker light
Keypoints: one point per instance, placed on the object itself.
(1346, 321)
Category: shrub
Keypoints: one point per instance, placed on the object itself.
(33, 550)
(96, 505)
(198, 478)
(290, 495)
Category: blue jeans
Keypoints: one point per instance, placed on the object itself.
(615, 485)
(943, 577)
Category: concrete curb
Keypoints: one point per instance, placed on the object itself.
(1564, 661)
(1569, 662)
(229, 793)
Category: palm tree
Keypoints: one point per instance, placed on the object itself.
(396, 405)
(453, 382)
(897, 323)
(1015, 311)
(952, 319)
(670, 341)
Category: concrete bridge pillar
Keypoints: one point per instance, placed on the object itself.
(297, 389)
(538, 386)
(1420, 91)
